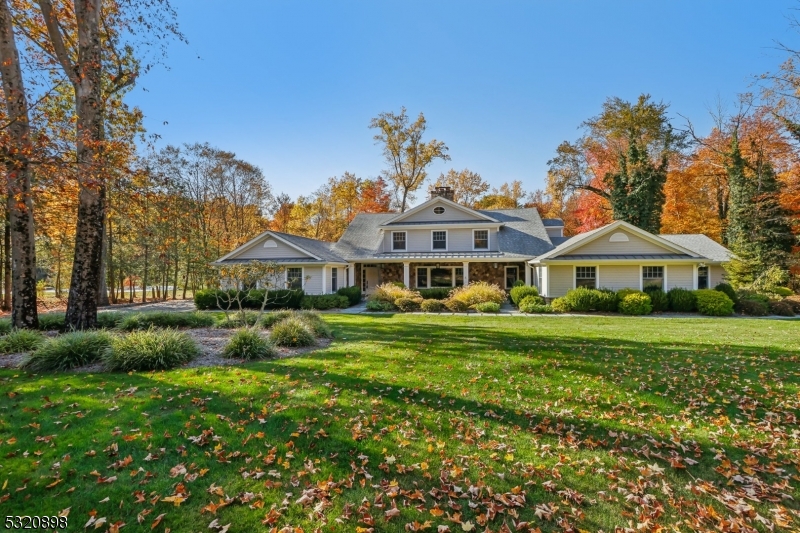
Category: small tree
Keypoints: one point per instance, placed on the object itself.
(269, 275)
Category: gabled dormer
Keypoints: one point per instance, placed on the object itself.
(440, 210)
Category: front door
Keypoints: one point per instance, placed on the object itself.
(369, 279)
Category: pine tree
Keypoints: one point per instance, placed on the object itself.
(637, 189)
(759, 232)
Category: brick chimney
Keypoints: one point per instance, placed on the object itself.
(444, 192)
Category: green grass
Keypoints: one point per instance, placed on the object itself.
(588, 415)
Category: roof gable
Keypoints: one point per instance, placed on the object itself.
(270, 245)
(451, 212)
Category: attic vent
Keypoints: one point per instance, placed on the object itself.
(619, 237)
(270, 244)
(438, 210)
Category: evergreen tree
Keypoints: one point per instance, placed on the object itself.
(637, 188)
(759, 232)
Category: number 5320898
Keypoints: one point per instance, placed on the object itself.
(36, 522)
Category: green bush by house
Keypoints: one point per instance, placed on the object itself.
(432, 305)
(517, 294)
(70, 350)
(635, 303)
(211, 299)
(437, 293)
(152, 349)
(324, 301)
(681, 300)
(377, 305)
(658, 298)
(165, 319)
(353, 294)
(713, 302)
(728, 290)
(534, 304)
(487, 307)
(781, 308)
(408, 305)
(559, 305)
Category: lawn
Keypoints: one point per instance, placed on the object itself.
(412, 423)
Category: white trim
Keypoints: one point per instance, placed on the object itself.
(546, 278)
(574, 277)
(338, 282)
(270, 243)
(302, 277)
(505, 271)
(695, 277)
(465, 267)
(528, 276)
(407, 274)
(446, 241)
(596, 275)
(249, 244)
(665, 283)
(488, 240)
(619, 237)
(324, 276)
(641, 277)
(430, 203)
(405, 241)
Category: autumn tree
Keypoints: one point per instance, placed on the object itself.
(507, 196)
(467, 186)
(406, 154)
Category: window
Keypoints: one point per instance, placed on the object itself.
(438, 210)
(459, 277)
(480, 239)
(334, 279)
(441, 277)
(586, 277)
(702, 277)
(422, 278)
(653, 277)
(511, 277)
(294, 278)
(439, 240)
(398, 240)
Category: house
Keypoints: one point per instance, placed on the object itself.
(443, 244)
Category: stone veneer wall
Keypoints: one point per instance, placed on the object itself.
(477, 272)
(357, 277)
(390, 272)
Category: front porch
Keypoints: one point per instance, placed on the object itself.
(430, 274)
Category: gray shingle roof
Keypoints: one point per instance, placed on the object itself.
(362, 238)
(522, 232)
(553, 222)
(321, 249)
(701, 245)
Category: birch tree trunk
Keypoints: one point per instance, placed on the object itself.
(18, 169)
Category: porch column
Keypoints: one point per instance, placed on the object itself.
(407, 274)
(527, 274)
(324, 278)
(351, 274)
(465, 266)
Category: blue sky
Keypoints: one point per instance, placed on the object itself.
(292, 85)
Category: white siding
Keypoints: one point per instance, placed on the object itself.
(716, 275)
(560, 280)
(635, 245)
(458, 240)
(554, 231)
(282, 251)
(680, 276)
(312, 285)
(616, 277)
(450, 214)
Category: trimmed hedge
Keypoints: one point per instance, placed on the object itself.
(517, 294)
(580, 299)
(534, 304)
(437, 293)
(658, 298)
(408, 305)
(69, 350)
(681, 300)
(605, 300)
(432, 306)
(153, 349)
(713, 302)
(324, 301)
(637, 303)
(166, 319)
(377, 305)
(248, 345)
(728, 291)
(279, 299)
(353, 294)
(559, 305)
(488, 307)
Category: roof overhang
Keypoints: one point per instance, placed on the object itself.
(618, 261)
(443, 225)
(252, 242)
(281, 262)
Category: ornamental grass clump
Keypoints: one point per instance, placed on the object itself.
(151, 349)
(408, 305)
(316, 323)
(391, 292)
(52, 322)
(165, 319)
(432, 306)
(292, 332)
(21, 340)
(474, 294)
(270, 319)
(248, 344)
(70, 350)
(239, 320)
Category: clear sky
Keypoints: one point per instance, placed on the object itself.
(292, 85)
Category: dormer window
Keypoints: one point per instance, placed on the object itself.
(438, 210)
(398, 240)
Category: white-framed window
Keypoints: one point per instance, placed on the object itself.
(586, 276)
(422, 277)
(702, 277)
(439, 240)
(653, 276)
(512, 275)
(480, 239)
(443, 276)
(334, 279)
(398, 240)
(294, 278)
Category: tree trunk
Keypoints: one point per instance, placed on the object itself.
(19, 172)
(102, 288)
(175, 279)
(7, 262)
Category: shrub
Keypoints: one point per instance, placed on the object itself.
(377, 305)
(580, 299)
(432, 306)
(622, 293)
(517, 294)
(781, 308)
(318, 326)
(533, 300)
(238, 320)
(110, 319)
(533, 304)
(408, 305)
(681, 300)
(52, 322)
(324, 301)
(456, 306)
(437, 293)
(658, 298)
(272, 318)
(248, 345)
(69, 350)
(783, 292)
(749, 307)
(151, 349)
(398, 284)
(728, 291)
(559, 305)
(5, 326)
(476, 293)
(794, 301)
(293, 332)
(20, 340)
(605, 300)
(218, 299)
(165, 319)
(488, 307)
(389, 292)
(538, 309)
(519, 283)
(353, 294)
(637, 303)
(751, 295)
(713, 302)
